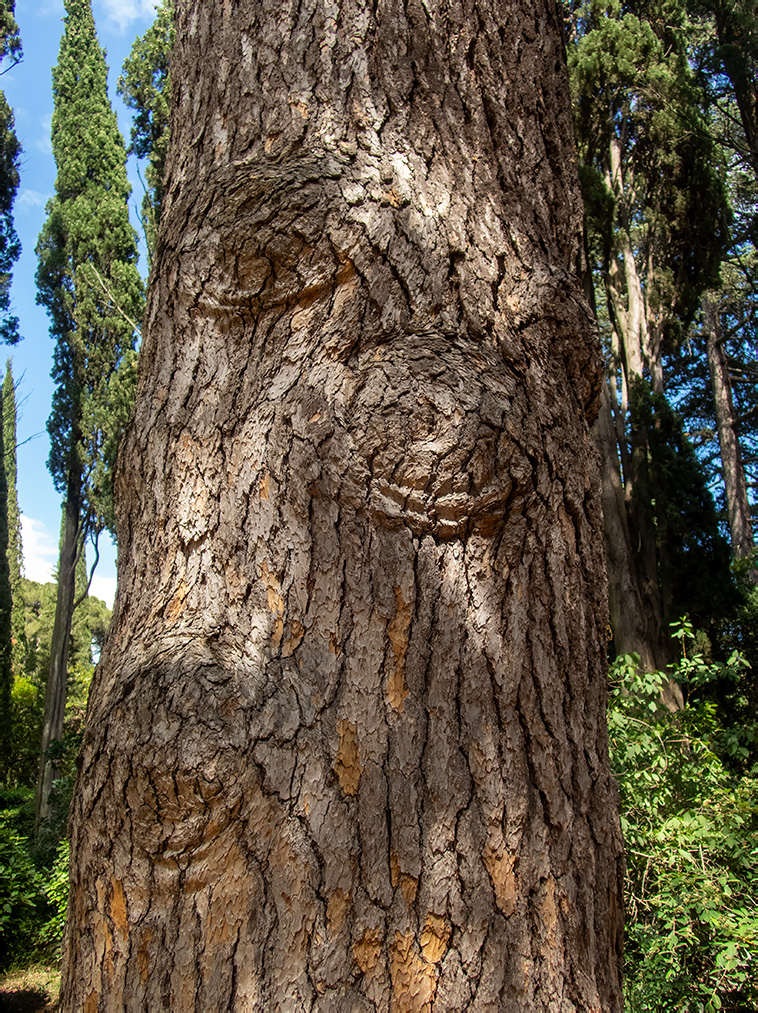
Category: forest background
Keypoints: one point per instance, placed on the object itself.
(666, 117)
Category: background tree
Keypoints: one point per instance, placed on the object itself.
(346, 746)
(656, 217)
(145, 86)
(15, 549)
(10, 153)
(89, 283)
(10, 249)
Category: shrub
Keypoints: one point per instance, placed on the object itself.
(690, 821)
(19, 894)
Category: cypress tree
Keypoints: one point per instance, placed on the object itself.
(88, 281)
(145, 86)
(10, 248)
(6, 672)
(10, 154)
(15, 553)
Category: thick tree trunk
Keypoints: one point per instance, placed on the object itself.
(735, 483)
(55, 696)
(346, 749)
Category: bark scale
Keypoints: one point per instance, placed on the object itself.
(346, 748)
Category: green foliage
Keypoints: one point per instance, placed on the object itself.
(19, 890)
(27, 704)
(33, 886)
(10, 42)
(28, 694)
(10, 154)
(56, 892)
(690, 821)
(650, 168)
(87, 276)
(145, 86)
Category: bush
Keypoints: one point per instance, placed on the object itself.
(56, 892)
(690, 821)
(19, 894)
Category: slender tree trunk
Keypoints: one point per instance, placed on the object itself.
(633, 626)
(15, 554)
(632, 619)
(55, 696)
(738, 505)
(346, 748)
(6, 614)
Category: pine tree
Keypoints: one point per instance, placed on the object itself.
(88, 281)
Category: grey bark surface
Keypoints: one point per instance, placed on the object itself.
(346, 747)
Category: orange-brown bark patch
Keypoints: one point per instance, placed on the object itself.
(144, 963)
(367, 950)
(275, 603)
(398, 633)
(435, 937)
(413, 979)
(118, 907)
(347, 766)
(291, 644)
(176, 605)
(500, 869)
(408, 884)
(337, 909)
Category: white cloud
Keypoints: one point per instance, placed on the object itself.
(30, 199)
(123, 12)
(40, 550)
(103, 588)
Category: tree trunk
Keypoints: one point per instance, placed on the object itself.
(6, 614)
(55, 696)
(633, 621)
(735, 483)
(346, 748)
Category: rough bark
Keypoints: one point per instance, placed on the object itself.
(57, 679)
(735, 483)
(346, 749)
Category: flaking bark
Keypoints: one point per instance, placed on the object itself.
(346, 749)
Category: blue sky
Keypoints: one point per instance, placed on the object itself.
(28, 90)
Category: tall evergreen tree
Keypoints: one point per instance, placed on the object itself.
(10, 248)
(10, 153)
(15, 552)
(88, 281)
(145, 86)
(656, 213)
